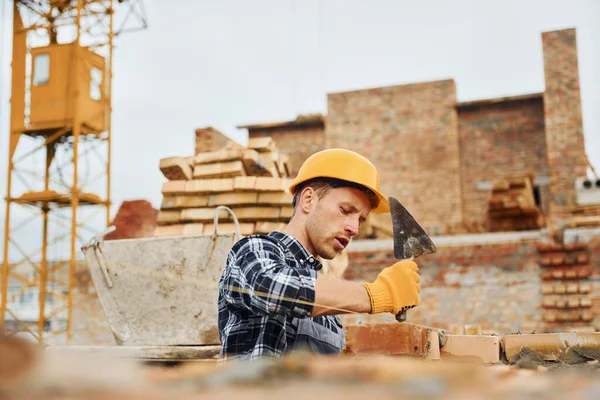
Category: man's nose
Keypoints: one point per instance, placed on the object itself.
(352, 225)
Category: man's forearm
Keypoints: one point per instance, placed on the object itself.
(339, 297)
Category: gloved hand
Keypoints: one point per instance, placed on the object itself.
(395, 289)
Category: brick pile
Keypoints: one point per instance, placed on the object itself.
(566, 285)
(135, 219)
(251, 180)
(512, 205)
(587, 216)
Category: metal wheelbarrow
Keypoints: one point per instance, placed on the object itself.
(161, 290)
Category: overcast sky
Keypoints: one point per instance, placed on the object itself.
(225, 63)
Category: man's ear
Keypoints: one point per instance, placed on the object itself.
(307, 199)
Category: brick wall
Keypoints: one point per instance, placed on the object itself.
(498, 139)
(595, 261)
(494, 286)
(298, 143)
(410, 133)
(564, 127)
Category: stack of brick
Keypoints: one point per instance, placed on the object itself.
(252, 181)
(512, 206)
(587, 216)
(377, 226)
(135, 219)
(566, 286)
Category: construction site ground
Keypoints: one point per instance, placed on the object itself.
(27, 372)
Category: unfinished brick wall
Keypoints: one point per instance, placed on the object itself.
(410, 133)
(494, 286)
(298, 142)
(499, 139)
(563, 120)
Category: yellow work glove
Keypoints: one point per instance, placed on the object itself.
(395, 289)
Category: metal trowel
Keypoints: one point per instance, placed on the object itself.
(410, 240)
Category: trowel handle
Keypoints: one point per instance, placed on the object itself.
(401, 316)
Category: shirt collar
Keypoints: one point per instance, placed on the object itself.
(299, 252)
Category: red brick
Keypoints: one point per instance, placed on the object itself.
(394, 339)
(135, 219)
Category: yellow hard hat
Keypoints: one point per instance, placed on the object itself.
(345, 165)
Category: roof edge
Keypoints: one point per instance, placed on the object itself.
(496, 100)
(301, 120)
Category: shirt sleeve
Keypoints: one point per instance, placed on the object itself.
(258, 279)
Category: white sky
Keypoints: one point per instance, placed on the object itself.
(225, 63)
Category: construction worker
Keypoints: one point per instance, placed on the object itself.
(271, 298)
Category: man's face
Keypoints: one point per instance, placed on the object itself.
(335, 219)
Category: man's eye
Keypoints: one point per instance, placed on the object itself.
(344, 211)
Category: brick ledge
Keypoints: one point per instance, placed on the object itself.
(455, 240)
(581, 234)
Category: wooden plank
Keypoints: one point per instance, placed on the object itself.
(154, 353)
(244, 183)
(269, 226)
(200, 186)
(173, 188)
(262, 144)
(257, 164)
(176, 202)
(175, 168)
(219, 170)
(233, 153)
(167, 217)
(246, 228)
(233, 199)
(276, 198)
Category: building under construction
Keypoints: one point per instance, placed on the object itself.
(503, 186)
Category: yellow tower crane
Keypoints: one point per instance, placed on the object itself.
(58, 155)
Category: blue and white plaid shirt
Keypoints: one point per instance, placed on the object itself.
(266, 296)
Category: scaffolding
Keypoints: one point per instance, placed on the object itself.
(59, 155)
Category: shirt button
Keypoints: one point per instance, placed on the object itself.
(311, 260)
